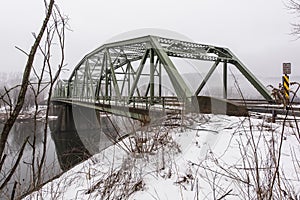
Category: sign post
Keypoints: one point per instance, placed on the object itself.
(286, 80)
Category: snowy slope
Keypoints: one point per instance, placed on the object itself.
(207, 157)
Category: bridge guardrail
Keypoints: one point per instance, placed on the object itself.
(157, 103)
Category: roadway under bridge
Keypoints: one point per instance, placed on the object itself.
(128, 78)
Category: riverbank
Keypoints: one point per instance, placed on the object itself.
(206, 157)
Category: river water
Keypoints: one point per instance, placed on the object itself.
(73, 136)
(23, 175)
(64, 149)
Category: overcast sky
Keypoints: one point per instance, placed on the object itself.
(256, 31)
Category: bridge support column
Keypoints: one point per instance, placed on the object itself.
(225, 80)
(74, 117)
(65, 120)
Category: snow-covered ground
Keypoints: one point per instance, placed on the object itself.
(206, 157)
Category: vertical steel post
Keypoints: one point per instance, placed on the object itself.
(138, 74)
(124, 81)
(159, 79)
(69, 89)
(110, 87)
(151, 76)
(91, 90)
(113, 78)
(75, 89)
(128, 79)
(99, 88)
(106, 77)
(225, 80)
(84, 90)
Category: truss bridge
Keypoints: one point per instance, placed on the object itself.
(145, 76)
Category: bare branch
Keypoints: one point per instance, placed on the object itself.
(22, 50)
(11, 120)
(294, 7)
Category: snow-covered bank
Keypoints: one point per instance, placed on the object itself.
(208, 157)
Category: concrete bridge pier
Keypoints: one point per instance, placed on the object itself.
(64, 121)
(69, 147)
(72, 117)
(79, 132)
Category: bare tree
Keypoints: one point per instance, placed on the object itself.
(40, 81)
(11, 120)
(294, 7)
(57, 29)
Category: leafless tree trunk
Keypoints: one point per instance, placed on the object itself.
(58, 29)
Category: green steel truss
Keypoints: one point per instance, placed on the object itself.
(108, 72)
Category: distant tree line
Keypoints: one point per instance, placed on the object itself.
(10, 81)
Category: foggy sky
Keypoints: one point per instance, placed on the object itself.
(258, 32)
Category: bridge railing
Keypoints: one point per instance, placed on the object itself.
(156, 103)
(143, 102)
